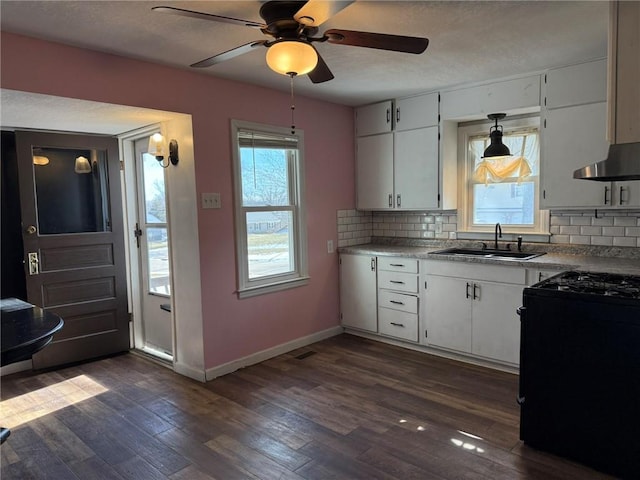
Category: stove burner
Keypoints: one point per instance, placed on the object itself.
(593, 283)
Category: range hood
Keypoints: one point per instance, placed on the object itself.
(622, 163)
(623, 160)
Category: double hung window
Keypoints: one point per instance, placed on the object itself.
(502, 190)
(270, 220)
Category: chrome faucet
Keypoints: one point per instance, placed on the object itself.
(498, 234)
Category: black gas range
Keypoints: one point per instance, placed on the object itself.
(580, 369)
(594, 283)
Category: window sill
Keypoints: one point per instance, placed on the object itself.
(272, 287)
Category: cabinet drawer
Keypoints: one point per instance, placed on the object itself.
(398, 301)
(403, 282)
(398, 324)
(398, 264)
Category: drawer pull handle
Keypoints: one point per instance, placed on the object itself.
(397, 264)
(397, 324)
(396, 302)
(397, 281)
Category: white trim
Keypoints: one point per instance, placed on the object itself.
(263, 355)
(16, 367)
(190, 372)
(299, 276)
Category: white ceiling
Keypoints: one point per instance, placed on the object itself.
(470, 41)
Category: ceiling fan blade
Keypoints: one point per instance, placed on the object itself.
(206, 16)
(316, 12)
(382, 41)
(229, 54)
(321, 73)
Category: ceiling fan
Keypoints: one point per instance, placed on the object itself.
(293, 26)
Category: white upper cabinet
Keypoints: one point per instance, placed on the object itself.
(374, 172)
(573, 137)
(373, 119)
(416, 112)
(624, 73)
(397, 162)
(521, 95)
(576, 85)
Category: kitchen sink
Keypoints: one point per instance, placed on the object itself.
(489, 253)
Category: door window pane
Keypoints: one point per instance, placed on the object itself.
(158, 255)
(72, 190)
(154, 190)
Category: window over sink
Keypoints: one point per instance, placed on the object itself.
(501, 190)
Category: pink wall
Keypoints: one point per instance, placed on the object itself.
(233, 328)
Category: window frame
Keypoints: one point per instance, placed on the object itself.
(299, 276)
(466, 229)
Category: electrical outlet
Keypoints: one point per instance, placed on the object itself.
(329, 246)
(211, 200)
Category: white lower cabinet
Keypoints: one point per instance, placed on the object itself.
(358, 302)
(472, 309)
(398, 298)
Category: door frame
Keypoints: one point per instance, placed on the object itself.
(130, 210)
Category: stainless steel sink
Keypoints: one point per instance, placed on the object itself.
(489, 253)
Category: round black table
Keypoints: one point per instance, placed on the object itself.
(25, 330)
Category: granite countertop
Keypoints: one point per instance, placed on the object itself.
(620, 260)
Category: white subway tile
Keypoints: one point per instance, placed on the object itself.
(613, 231)
(624, 221)
(602, 221)
(632, 232)
(606, 241)
(625, 241)
(580, 240)
(580, 220)
(597, 231)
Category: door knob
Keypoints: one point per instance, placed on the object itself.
(31, 229)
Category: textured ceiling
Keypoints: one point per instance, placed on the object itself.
(469, 41)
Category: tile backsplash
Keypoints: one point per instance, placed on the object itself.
(604, 228)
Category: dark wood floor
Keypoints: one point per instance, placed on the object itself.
(344, 408)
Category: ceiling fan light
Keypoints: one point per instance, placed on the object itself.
(291, 56)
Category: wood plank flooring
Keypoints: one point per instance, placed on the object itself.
(344, 408)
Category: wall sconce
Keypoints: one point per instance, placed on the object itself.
(82, 165)
(158, 148)
(496, 148)
(39, 158)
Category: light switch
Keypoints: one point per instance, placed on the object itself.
(211, 200)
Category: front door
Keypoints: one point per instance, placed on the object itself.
(73, 239)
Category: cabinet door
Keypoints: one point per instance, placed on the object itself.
(626, 194)
(374, 172)
(573, 137)
(576, 84)
(496, 326)
(416, 112)
(373, 119)
(447, 313)
(358, 303)
(416, 168)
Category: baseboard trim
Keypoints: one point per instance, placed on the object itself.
(263, 355)
(190, 372)
(16, 367)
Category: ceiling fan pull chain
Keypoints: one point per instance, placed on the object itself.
(293, 106)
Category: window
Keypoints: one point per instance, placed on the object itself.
(270, 221)
(502, 190)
